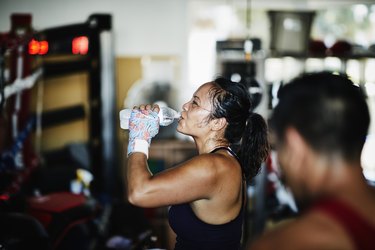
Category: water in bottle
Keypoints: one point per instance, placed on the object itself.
(166, 117)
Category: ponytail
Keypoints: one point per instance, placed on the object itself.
(247, 135)
(254, 146)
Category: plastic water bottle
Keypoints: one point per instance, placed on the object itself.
(166, 117)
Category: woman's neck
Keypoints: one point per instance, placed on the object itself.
(208, 145)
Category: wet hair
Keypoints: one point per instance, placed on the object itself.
(329, 112)
(246, 131)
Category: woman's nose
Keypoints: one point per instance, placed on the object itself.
(185, 106)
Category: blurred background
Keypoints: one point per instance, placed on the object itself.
(68, 68)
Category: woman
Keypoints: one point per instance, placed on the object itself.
(206, 193)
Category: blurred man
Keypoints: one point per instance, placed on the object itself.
(320, 126)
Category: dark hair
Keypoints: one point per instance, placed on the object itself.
(328, 110)
(246, 131)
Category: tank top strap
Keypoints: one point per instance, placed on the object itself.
(359, 229)
(228, 149)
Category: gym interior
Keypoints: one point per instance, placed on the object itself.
(68, 68)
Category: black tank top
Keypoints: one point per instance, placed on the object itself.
(194, 234)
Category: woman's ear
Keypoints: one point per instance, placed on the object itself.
(218, 123)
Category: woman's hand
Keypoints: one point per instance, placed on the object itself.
(143, 126)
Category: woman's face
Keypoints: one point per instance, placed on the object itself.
(195, 113)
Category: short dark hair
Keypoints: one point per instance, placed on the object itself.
(328, 110)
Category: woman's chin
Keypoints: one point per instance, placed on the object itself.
(180, 129)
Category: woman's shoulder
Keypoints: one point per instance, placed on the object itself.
(214, 159)
(214, 163)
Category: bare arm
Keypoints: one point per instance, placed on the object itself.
(137, 174)
(189, 181)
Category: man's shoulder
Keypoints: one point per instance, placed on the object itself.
(309, 231)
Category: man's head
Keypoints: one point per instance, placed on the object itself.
(327, 110)
(320, 116)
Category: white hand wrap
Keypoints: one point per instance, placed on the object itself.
(140, 146)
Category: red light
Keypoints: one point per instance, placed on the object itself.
(80, 45)
(43, 47)
(38, 47)
(4, 197)
(33, 47)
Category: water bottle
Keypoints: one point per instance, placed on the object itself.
(166, 117)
